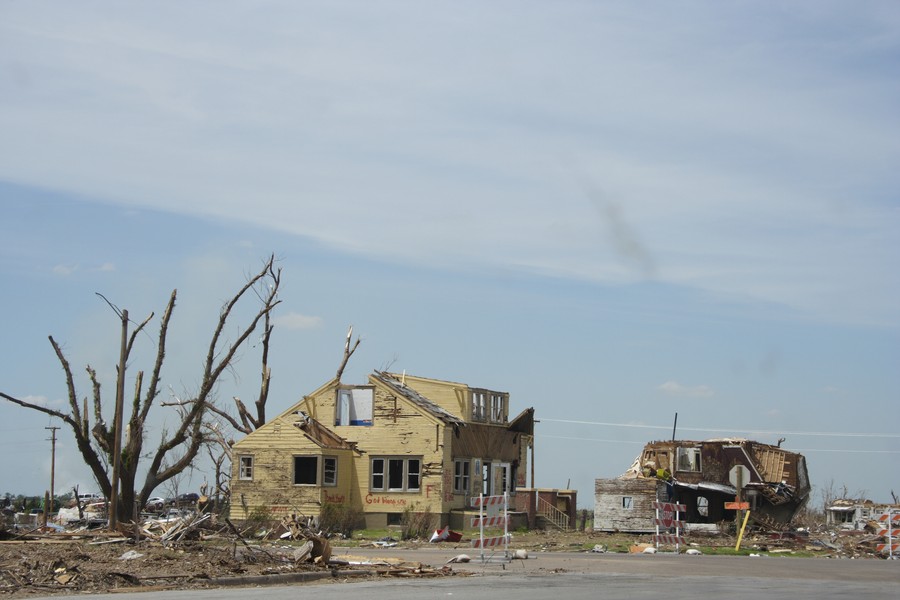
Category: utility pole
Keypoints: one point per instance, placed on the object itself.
(52, 466)
(117, 438)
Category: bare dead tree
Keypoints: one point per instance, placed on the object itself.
(220, 445)
(177, 449)
(348, 352)
(245, 422)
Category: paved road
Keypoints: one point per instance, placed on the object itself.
(657, 565)
(567, 576)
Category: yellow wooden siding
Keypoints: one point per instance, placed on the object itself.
(273, 448)
(400, 429)
(452, 397)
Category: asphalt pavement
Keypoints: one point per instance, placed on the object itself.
(582, 576)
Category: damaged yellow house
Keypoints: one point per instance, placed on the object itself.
(396, 443)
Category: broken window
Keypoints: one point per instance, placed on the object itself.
(702, 506)
(245, 470)
(461, 476)
(354, 406)
(478, 406)
(396, 474)
(306, 470)
(497, 478)
(687, 459)
(329, 471)
(627, 502)
(848, 516)
(498, 406)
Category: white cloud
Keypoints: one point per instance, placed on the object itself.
(295, 320)
(735, 150)
(43, 401)
(65, 270)
(107, 267)
(674, 388)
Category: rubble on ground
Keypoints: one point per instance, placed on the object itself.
(189, 549)
(186, 550)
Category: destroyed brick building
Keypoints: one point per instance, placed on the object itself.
(704, 475)
(397, 443)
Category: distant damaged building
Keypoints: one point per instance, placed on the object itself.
(704, 475)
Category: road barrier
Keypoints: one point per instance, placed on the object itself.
(667, 518)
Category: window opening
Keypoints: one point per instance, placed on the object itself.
(377, 473)
(396, 474)
(478, 406)
(354, 406)
(329, 471)
(413, 474)
(497, 408)
(688, 459)
(306, 470)
(245, 470)
(702, 506)
(461, 476)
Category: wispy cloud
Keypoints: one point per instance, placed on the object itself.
(65, 270)
(741, 151)
(673, 388)
(43, 401)
(295, 320)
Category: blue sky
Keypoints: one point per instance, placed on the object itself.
(613, 212)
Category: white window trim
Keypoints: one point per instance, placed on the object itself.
(245, 471)
(462, 475)
(335, 482)
(385, 474)
(498, 406)
(479, 407)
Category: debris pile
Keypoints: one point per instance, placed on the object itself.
(177, 551)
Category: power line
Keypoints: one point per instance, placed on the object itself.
(727, 429)
(582, 439)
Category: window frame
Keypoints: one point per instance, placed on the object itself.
(479, 406)
(245, 467)
(316, 478)
(385, 477)
(357, 401)
(498, 407)
(462, 475)
(690, 455)
(325, 470)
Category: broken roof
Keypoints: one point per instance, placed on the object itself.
(321, 435)
(416, 398)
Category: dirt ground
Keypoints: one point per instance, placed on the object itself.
(43, 564)
(47, 563)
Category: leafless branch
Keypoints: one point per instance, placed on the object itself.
(348, 352)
